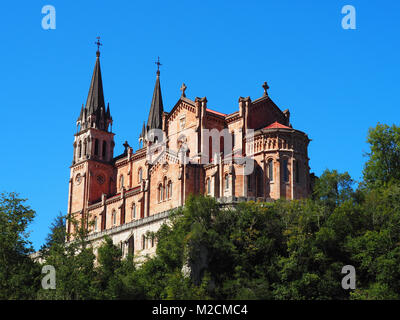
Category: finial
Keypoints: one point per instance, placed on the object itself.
(183, 89)
(266, 87)
(98, 43)
(158, 66)
(126, 145)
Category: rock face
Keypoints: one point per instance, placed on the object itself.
(195, 266)
(199, 265)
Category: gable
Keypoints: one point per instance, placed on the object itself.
(264, 112)
(182, 104)
(182, 123)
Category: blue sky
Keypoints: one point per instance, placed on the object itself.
(337, 83)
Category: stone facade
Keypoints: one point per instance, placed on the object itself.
(201, 151)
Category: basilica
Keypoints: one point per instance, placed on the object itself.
(253, 153)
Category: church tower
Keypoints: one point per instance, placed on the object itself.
(92, 173)
(156, 109)
(155, 120)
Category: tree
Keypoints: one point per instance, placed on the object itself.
(73, 262)
(280, 250)
(109, 258)
(383, 164)
(333, 188)
(19, 274)
(57, 233)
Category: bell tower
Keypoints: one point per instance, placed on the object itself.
(92, 172)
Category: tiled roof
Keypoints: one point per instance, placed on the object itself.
(276, 125)
(216, 112)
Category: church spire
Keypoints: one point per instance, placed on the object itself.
(143, 133)
(95, 99)
(95, 113)
(156, 109)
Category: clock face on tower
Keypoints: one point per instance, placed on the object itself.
(78, 179)
(100, 178)
(165, 167)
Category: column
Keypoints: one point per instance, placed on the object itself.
(278, 177)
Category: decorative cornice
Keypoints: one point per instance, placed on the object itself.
(94, 129)
(115, 198)
(130, 225)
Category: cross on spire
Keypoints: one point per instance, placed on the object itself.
(183, 88)
(158, 65)
(266, 87)
(126, 146)
(98, 43)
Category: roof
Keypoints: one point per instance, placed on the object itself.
(156, 108)
(95, 99)
(143, 133)
(216, 112)
(277, 125)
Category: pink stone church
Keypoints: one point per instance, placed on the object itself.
(127, 195)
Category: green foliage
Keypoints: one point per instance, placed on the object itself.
(279, 250)
(115, 278)
(74, 265)
(383, 164)
(19, 275)
(333, 188)
(57, 233)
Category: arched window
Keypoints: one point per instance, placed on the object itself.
(165, 195)
(121, 182)
(169, 189)
(143, 242)
(249, 182)
(285, 171)
(96, 147)
(167, 192)
(133, 211)
(270, 170)
(227, 181)
(104, 151)
(160, 192)
(74, 152)
(131, 245)
(95, 224)
(208, 186)
(297, 171)
(80, 150)
(260, 181)
(114, 218)
(140, 175)
(85, 147)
